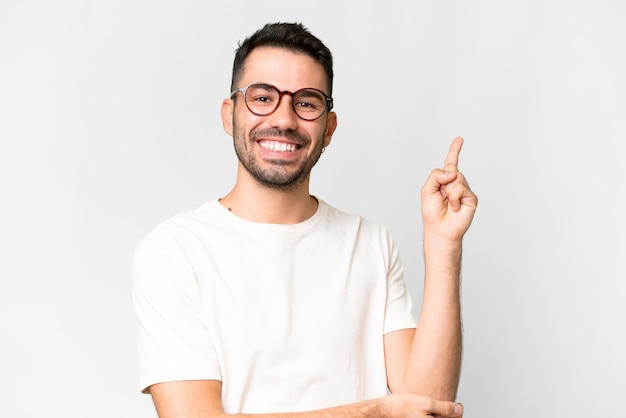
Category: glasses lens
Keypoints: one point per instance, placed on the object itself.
(309, 103)
(262, 99)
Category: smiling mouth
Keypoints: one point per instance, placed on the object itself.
(277, 146)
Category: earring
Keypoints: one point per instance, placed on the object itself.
(323, 149)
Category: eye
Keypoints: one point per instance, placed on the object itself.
(307, 105)
(260, 99)
(309, 100)
(261, 95)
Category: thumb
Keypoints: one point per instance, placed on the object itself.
(447, 409)
(437, 181)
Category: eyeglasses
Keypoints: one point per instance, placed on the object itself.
(263, 99)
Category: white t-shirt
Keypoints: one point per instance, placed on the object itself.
(288, 317)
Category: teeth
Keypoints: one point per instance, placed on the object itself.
(278, 146)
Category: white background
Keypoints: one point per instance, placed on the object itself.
(109, 124)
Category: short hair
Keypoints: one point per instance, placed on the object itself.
(291, 36)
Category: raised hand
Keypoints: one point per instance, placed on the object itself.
(448, 204)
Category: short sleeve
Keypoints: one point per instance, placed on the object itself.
(399, 306)
(173, 342)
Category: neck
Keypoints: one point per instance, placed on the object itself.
(258, 203)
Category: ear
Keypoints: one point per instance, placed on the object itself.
(227, 115)
(331, 125)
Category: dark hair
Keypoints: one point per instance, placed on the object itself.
(292, 36)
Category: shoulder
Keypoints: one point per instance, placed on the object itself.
(367, 229)
(164, 258)
(171, 238)
(182, 223)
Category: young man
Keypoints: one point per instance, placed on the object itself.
(268, 300)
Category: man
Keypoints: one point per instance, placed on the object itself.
(268, 300)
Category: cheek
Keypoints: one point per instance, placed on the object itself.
(244, 123)
(321, 135)
(239, 134)
(240, 127)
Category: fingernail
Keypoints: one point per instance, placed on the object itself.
(457, 409)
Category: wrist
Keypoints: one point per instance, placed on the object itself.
(441, 246)
(442, 257)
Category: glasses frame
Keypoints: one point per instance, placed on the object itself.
(242, 90)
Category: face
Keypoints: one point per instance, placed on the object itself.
(278, 150)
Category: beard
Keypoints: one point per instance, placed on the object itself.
(281, 175)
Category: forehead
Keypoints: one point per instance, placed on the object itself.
(283, 68)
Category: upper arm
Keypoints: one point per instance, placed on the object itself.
(174, 343)
(189, 399)
(397, 346)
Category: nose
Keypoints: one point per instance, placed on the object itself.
(284, 117)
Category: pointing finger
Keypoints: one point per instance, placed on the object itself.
(452, 159)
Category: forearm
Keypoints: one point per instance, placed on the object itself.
(202, 399)
(391, 406)
(366, 409)
(435, 360)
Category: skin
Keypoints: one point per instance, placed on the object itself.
(433, 365)
(287, 199)
(423, 364)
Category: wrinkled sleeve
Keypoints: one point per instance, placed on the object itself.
(173, 342)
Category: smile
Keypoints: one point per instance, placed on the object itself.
(278, 146)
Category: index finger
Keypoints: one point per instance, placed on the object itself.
(452, 159)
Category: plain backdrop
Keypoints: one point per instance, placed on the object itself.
(109, 124)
